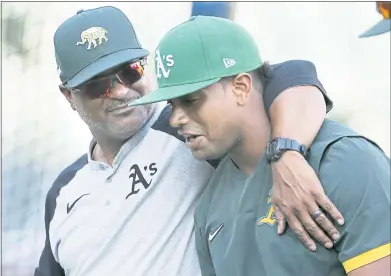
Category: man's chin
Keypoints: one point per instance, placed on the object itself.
(204, 155)
(127, 127)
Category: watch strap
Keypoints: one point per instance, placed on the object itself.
(277, 146)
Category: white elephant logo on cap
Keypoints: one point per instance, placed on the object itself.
(91, 35)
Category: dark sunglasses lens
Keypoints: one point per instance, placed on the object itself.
(132, 73)
(127, 76)
(96, 88)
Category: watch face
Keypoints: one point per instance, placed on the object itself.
(272, 148)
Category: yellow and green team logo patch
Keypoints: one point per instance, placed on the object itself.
(270, 217)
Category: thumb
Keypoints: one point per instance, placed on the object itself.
(280, 220)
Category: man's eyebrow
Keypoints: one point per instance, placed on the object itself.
(196, 93)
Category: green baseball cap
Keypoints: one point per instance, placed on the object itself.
(198, 53)
(93, 41)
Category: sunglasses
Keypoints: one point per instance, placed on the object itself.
(384, 9)
(101, 86)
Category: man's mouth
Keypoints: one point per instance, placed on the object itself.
(190, 138)
(124, 105)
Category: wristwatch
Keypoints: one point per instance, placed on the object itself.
(277, 146)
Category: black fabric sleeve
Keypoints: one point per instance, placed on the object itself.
(48, 266)
(289, 74)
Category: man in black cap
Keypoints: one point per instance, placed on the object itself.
(126, 207)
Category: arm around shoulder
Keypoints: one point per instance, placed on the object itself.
(296, 101)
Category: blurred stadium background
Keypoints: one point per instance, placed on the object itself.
(41, 135)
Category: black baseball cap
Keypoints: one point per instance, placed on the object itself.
(93, 41)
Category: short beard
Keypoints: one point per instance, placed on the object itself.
(109, 131)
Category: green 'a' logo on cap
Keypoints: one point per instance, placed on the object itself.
(161, 63)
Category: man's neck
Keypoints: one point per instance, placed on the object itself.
(107, 147)
(106, 150)
(253, 142)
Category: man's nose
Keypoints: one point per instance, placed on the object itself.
(178, 117)
(118, 90)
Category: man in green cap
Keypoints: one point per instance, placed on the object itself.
(215, 86)
(383, 26)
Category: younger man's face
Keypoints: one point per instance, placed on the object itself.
(207, 120)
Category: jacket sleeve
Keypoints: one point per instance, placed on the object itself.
(48, 266)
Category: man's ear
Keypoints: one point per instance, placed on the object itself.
(67, 94)
(241, 87)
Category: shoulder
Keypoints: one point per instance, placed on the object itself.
(69, 172)
(350, 154)
(356, 167)
(63, 179)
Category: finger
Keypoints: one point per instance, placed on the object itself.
(326, 225)
(301, 233)
(314, 230)
(330, 209)
(280, 220)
